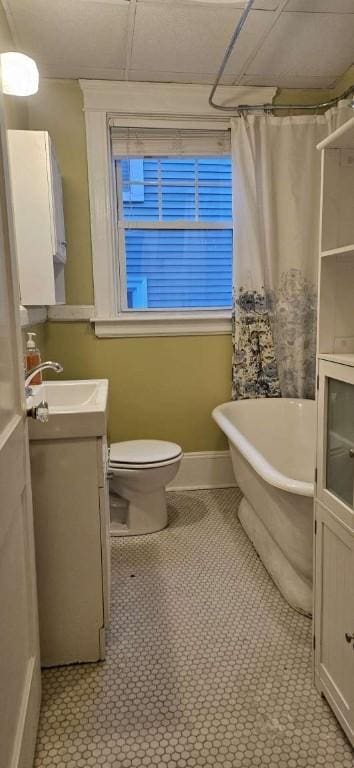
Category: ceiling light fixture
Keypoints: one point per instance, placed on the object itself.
(19, 74)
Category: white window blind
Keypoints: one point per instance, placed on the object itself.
(170, 142)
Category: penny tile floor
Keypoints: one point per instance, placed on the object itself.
(207, 665)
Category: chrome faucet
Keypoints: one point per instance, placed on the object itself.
(37, 368)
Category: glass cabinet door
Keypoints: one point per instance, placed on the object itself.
(340, 440)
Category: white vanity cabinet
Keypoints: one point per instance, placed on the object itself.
(334, 503)
(69, 461)
(37, 202)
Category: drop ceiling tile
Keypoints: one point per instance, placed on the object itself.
(192, 39)
(321, 6)
(258, 5)
(306, 44)
(265, 5)
(143, 75)
(62, 34)
(85, 73)
(184, 40)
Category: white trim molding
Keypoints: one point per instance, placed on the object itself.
(71, 313)
(141, 105)
(101, 211)
(152, 324)
(167, 99)
(204, 469)
(32, 315)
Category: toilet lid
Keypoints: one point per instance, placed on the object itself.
(137, 452)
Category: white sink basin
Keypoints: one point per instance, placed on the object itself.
(76, 409)
(71, 396)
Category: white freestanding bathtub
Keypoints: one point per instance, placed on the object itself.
(272, 443)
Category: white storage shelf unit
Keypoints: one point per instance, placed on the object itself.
(334, 503)
(336, 316)
(38, 217)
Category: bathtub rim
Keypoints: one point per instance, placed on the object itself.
(256, 459)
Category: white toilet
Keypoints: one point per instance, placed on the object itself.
(139, 472)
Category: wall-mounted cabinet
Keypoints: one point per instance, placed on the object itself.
(334, 505)
(38, 217)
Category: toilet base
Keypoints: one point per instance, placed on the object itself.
(140, 506)
(139, 514)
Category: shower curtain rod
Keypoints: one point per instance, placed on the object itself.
(262, 107)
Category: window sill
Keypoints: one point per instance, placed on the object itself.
(168, 324)
(32, 316)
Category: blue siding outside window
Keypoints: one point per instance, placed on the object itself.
(176, 267)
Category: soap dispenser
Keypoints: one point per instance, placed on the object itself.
(33, 358)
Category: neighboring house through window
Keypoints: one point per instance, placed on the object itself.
(174, 219)
(169, 262)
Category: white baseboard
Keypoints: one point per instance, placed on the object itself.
(204, 469)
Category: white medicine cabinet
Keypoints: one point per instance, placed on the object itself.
(334, 503)
(38, 217)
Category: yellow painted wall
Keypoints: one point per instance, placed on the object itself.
(161, 388)
(15, 107)
(344, 82)
(298, 96)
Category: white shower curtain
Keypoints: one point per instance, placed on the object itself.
(276, 198)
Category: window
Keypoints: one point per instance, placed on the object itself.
(174, 220)
(132, 121)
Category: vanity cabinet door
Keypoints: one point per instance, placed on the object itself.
(334, 615)
(68, 533)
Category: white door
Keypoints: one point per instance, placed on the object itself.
(19, 649)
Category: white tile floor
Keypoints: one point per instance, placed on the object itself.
(206, 663)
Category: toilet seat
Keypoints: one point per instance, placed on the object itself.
(143, 454)
(140, 467)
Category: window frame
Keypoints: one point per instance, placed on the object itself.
(138, 105)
